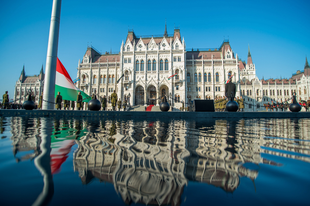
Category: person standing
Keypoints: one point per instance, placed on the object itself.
(113, 100)
(72, 105)
(104, 103)
(125, 104)
(66, 104)
(40, 102)
(119, 104)
(58, 101)
(5, 100)
(230, 90)
(79, 101)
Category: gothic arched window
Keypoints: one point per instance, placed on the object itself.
(195, 77)
(128, 48)
(154, 65)
(95, 79)
(177, 74)
(126, 76)
(205, 77)
(166, 65)
(209, 77)
(110, 79)
(149, 65)
(142, 66)
(113, 78)
(229, 74)
(161, 65)
(137, 66)
(217, 77)
(101, 79)
(188, 77)
(199, 77)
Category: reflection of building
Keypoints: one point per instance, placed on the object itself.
(147, 171)
(151, 162)
(25, 83)
(25, 138)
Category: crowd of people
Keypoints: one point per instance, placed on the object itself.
(79, 104)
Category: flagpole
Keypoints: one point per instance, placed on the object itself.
(51, 58)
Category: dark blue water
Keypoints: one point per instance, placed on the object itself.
(51, 161)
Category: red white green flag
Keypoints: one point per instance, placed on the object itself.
(172, 76)
(65, 85)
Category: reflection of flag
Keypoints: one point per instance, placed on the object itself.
(65, 85)
(172, 76)
(120, 78)
(61, 144)
(59, 153)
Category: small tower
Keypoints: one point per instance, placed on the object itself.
(41, 75)
(22, 75)
(307, 65)
(249, 57)
(165, 34)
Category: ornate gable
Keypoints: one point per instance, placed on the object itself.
(140, 46)
(152, 45)
(128, 46)
(177, 44)
(164, 45)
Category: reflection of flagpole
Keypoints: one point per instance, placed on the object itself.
(43, 163)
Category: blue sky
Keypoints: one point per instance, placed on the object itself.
(277, 31)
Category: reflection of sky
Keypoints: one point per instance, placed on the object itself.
(259, 173)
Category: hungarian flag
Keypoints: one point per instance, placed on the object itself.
(65, 85)
(172, 76)
(229, 78)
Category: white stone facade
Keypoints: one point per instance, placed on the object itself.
(148, 62)
(25, 83)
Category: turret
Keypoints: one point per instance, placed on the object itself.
(307, 65)
(41, 75)
(249, 57)
(165, 34)
(22, 75)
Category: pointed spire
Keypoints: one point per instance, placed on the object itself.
(165, 34)
(306, 65)
(22, 75)
(23, 71)
(249, 53)
(41, 72)
(249, 57)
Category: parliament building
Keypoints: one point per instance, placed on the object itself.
(149, 67)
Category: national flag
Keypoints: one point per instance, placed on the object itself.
(172, 76)
(229, 78)
(65, 85)
(77, 79)
(120, 78)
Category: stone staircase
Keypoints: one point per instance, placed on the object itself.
(142, 108)
(137, 108)
(156, 109)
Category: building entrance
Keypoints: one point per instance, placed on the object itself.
(139, 100)
(152, 95)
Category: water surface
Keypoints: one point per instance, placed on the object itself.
(92, 161)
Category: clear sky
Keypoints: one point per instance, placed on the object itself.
(278, 32)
